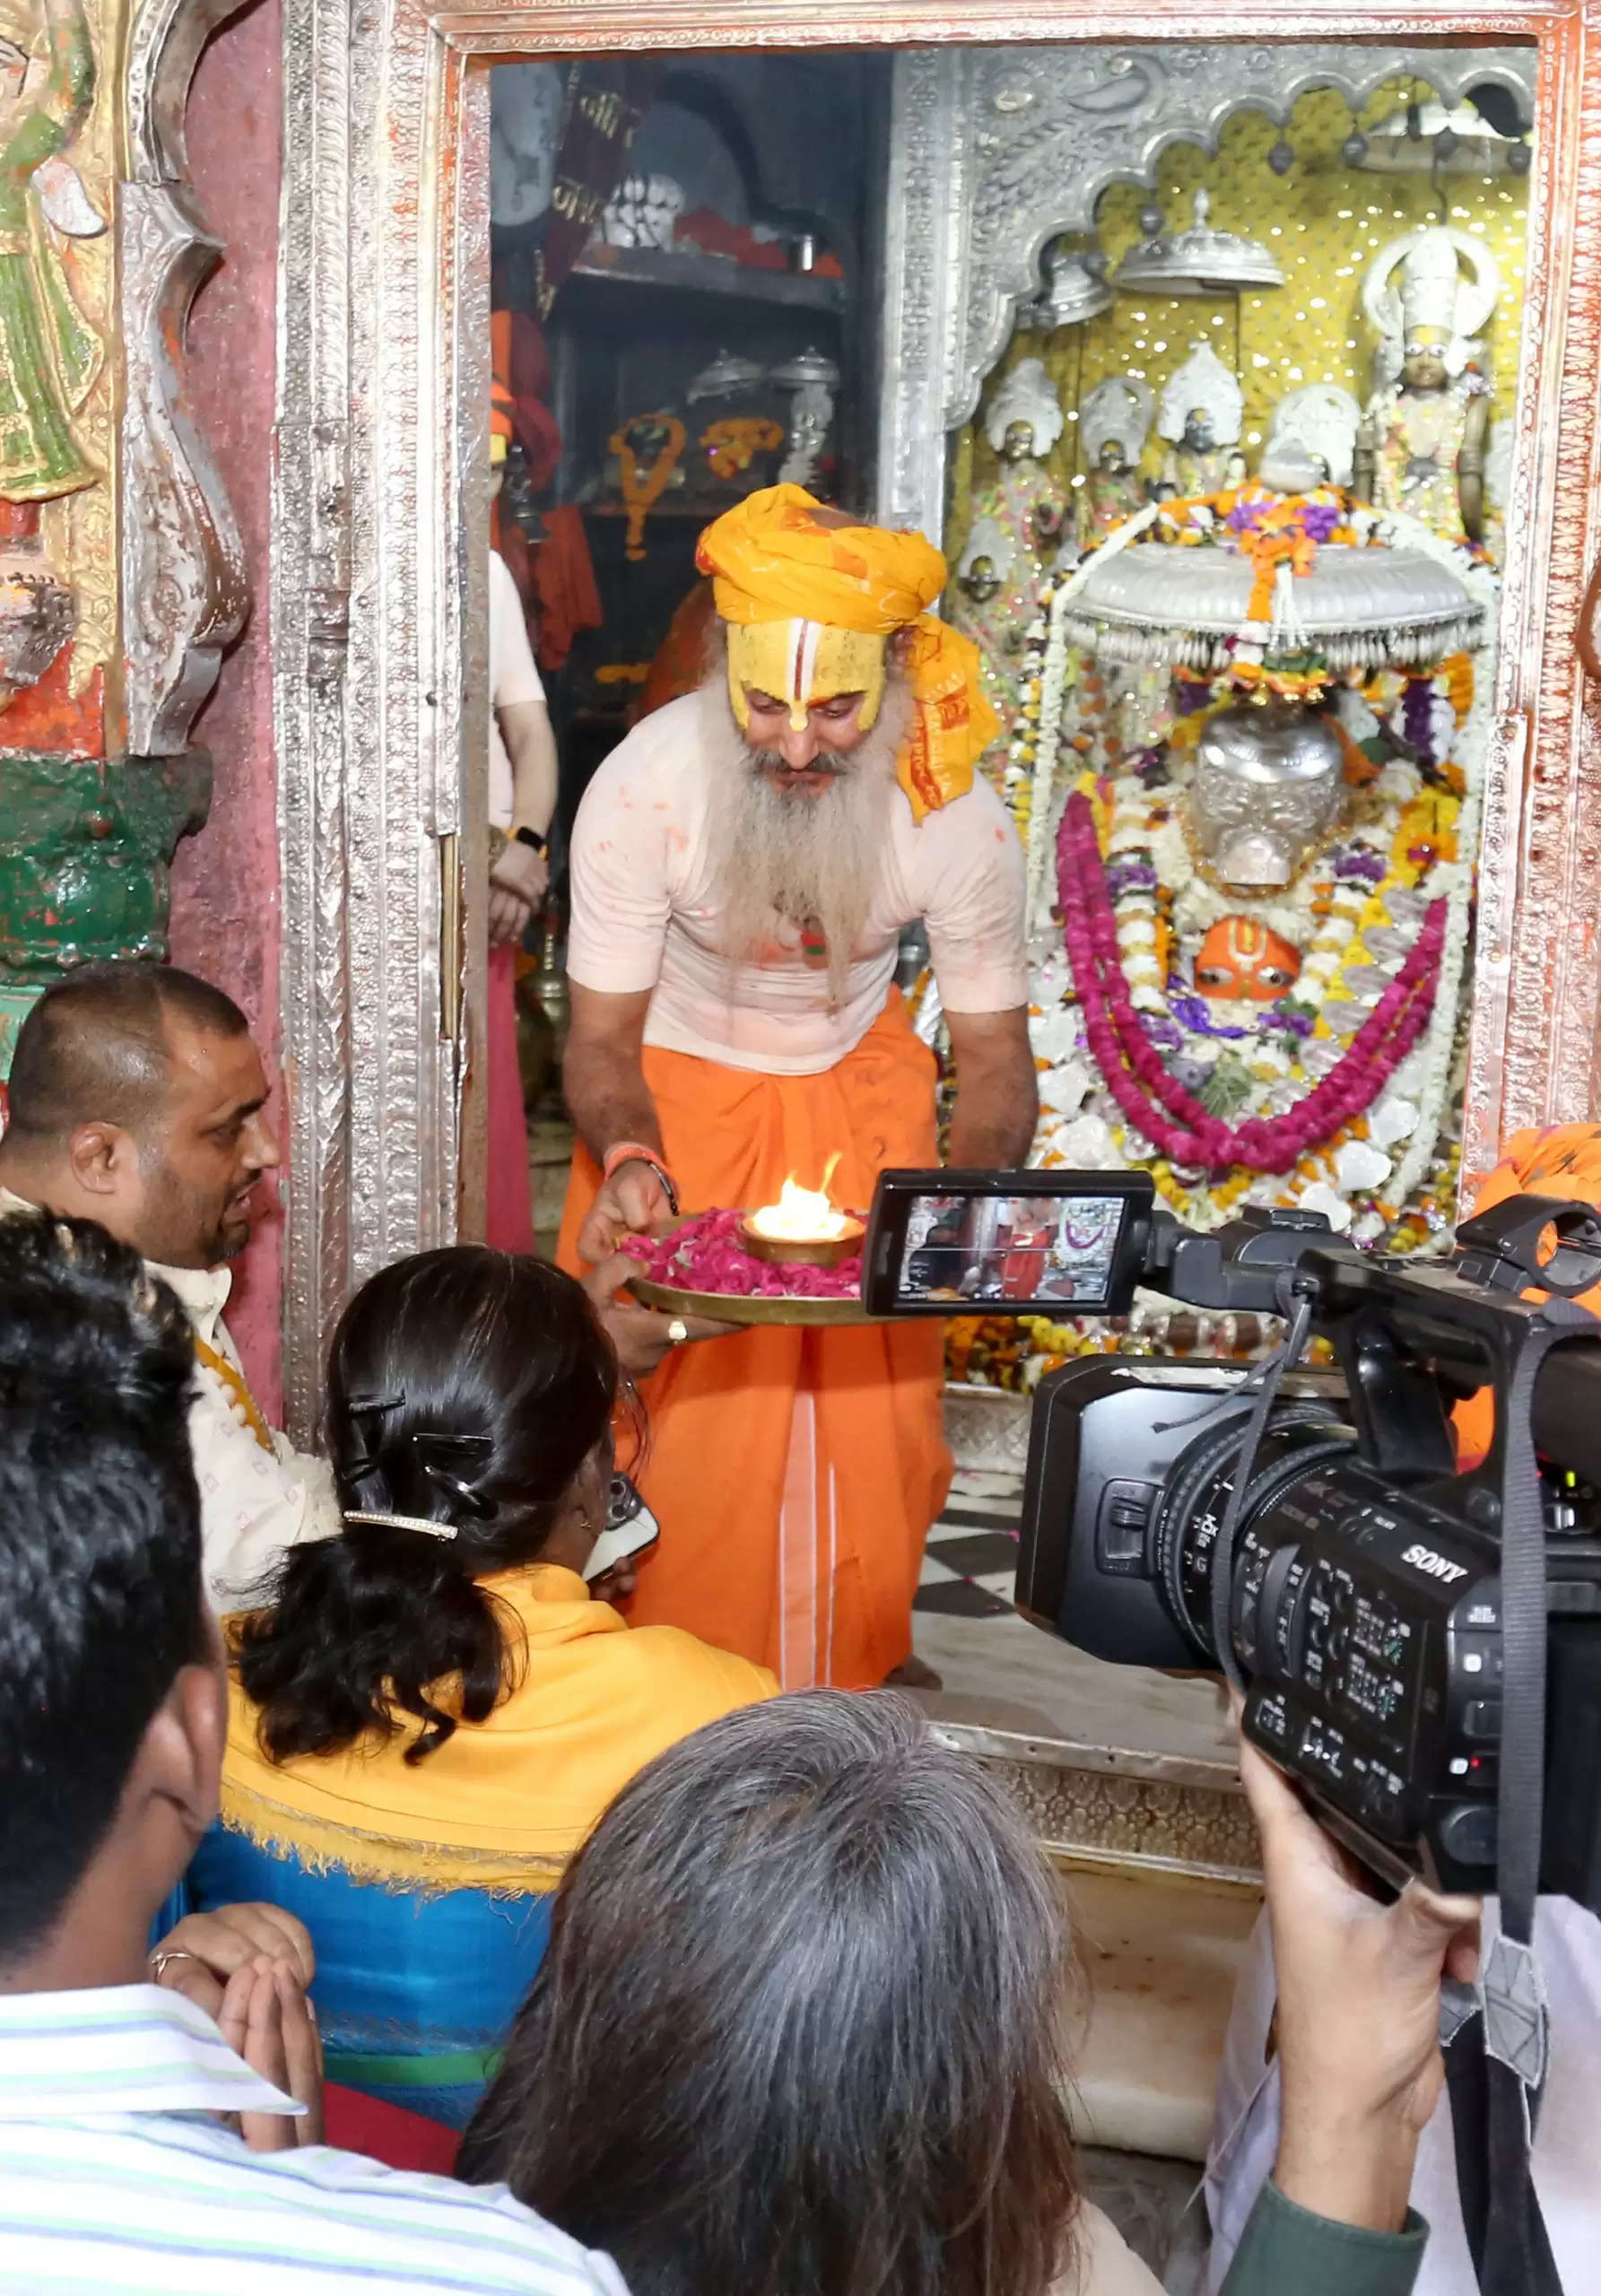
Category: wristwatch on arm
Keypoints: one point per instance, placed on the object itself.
(633, 1152)
(499, 839)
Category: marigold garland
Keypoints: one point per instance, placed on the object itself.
(641, 493)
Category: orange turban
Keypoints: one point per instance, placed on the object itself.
(771, 559)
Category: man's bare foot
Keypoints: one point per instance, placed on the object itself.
(912, 1674)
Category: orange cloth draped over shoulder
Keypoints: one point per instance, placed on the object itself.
(795, 1473)
(1558, 1160)
(781, 555)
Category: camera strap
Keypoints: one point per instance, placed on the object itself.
(1297, 1301)
(1496, 2034)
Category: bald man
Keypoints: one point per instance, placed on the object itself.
(137, 1099)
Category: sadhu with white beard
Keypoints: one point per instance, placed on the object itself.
(742, 868)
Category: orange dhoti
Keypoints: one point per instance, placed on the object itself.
(795, 1473)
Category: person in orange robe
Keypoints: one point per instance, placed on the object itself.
(679, 662)
(743, 866)
(1557, 1159)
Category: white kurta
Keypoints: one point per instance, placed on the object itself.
(253, 1502)
(1245, 2132)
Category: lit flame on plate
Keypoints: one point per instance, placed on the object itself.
(803, 1215)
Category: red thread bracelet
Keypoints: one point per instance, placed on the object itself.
(633, 1152)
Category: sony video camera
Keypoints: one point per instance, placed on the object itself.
(1339, 1563)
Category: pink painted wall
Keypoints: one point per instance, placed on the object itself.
(225, 887)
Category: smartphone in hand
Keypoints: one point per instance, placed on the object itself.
(630, 1528)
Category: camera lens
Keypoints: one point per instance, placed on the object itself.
(1298, 1438)
(623, 1502)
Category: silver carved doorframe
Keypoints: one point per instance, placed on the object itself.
(993, 151)
(379, 509)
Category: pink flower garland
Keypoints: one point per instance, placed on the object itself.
(1133, 1070)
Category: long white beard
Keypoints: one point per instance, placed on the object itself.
(809, 859)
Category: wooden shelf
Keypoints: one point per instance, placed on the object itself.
(710, 274)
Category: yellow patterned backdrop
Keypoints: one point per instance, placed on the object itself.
(1324, 221)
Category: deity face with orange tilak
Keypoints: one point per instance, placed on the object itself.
(1240, 958)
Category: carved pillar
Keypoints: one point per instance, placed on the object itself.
(121, 574)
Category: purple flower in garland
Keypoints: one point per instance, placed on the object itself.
(1164, 1034)
(1130, 877)
(1417, 720)
(1359, 862)
(1192, 1014)
(1319, 519)
(1294, 1020)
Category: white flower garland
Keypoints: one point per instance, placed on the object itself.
(1198, 905)
(1081, 1136)
(1085, 1137)
(1052, 689)
(1470, 748)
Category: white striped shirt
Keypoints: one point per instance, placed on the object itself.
(114, 2177)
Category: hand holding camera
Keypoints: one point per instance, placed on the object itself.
(1358, 2086)
(1417, 1642)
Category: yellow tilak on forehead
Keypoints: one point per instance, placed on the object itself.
(802, 662)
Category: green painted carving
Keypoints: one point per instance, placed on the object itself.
(84, 848)
(14, 1005)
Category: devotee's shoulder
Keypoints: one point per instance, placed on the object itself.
(679, 1666)
(966, 876)
(657, 761)
(973, 833)
(638, 827)
(1104, 2263)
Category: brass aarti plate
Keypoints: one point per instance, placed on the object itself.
(739, 1308)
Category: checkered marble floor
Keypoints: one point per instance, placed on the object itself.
(1000, 1671)
(971, 1557)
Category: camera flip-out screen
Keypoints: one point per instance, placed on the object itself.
(945, 1243)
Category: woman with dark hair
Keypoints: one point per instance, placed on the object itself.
(434, 1709)
(804, 2029)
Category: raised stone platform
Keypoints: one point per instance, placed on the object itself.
(1117, 1766)
(1129, 1780)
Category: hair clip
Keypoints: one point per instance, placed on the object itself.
(424, 1523)
(458, 1493)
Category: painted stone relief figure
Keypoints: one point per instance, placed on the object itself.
(86, 832)
(49, 356)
